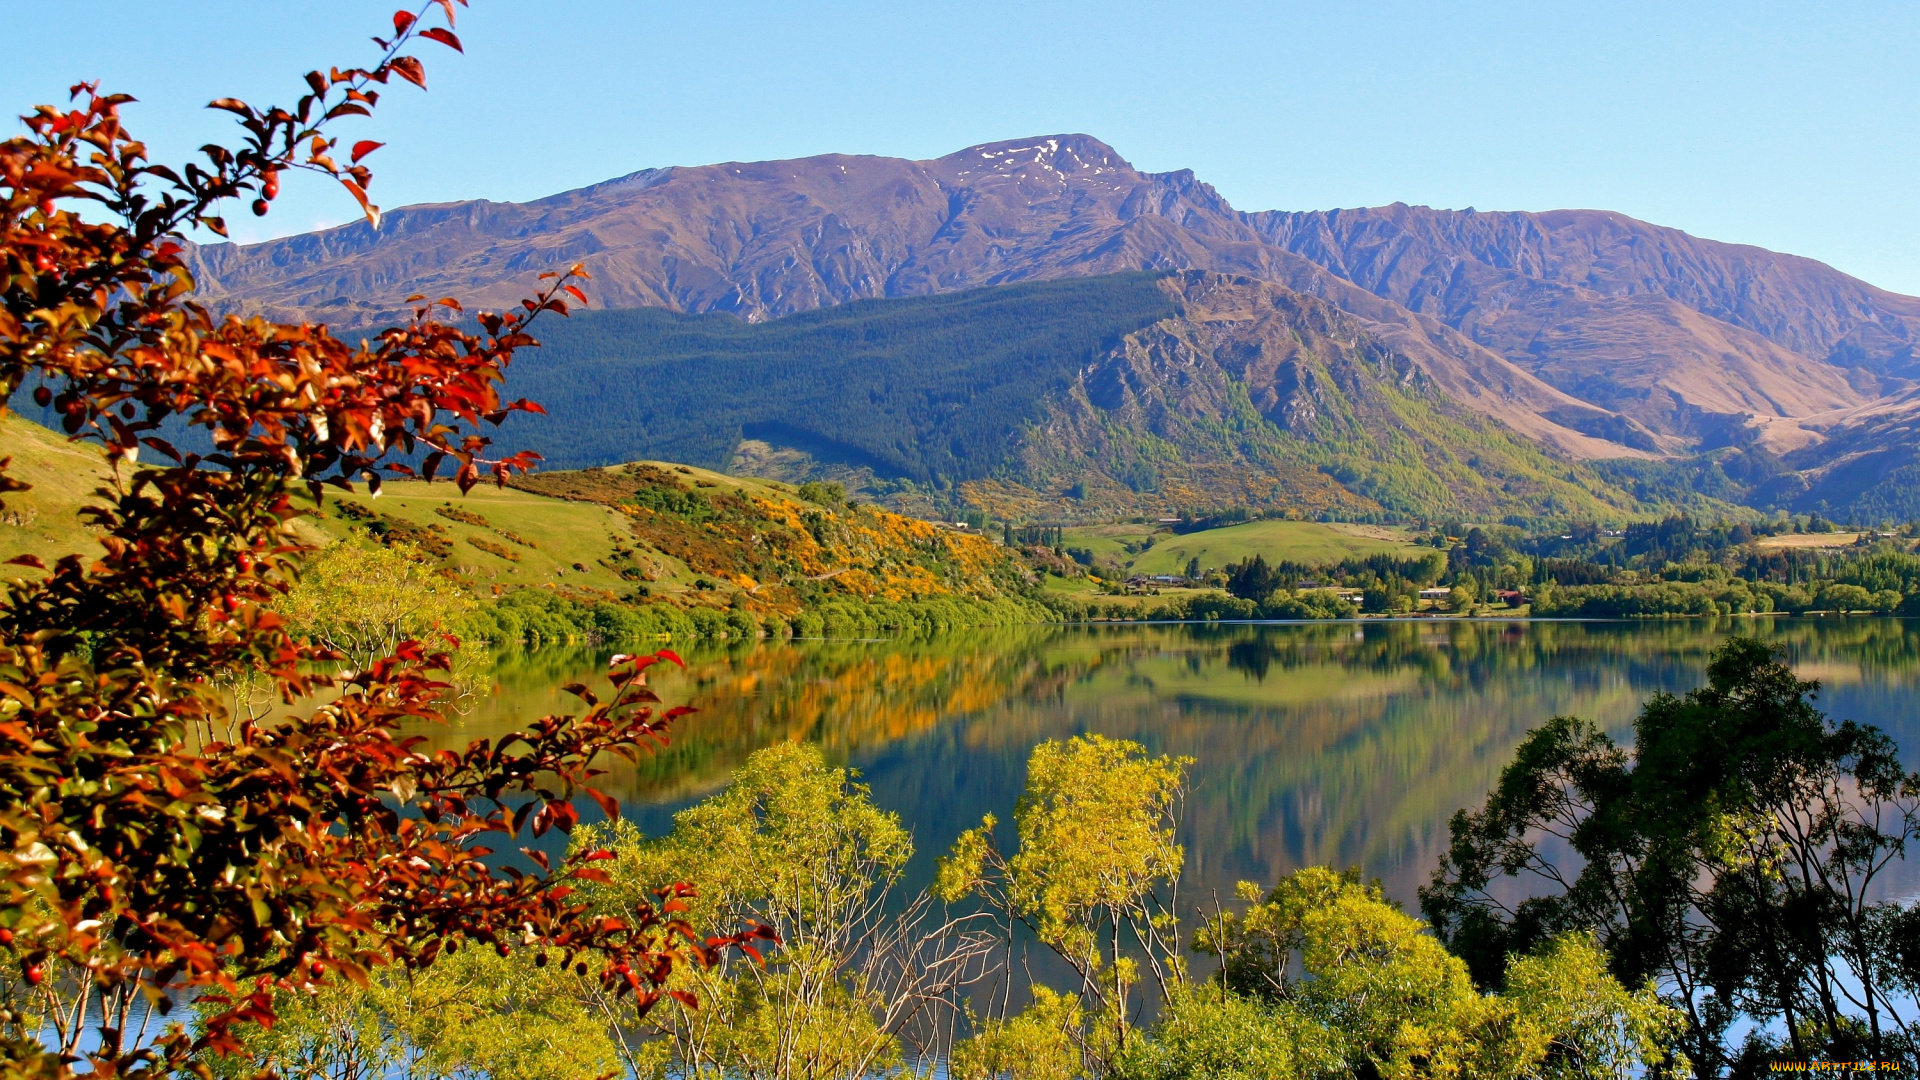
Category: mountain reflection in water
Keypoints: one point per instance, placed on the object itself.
(1337, 743)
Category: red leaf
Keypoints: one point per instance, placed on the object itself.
(444, 37)
(609, 805)
(402, 20)
(364, 147)
(27, 560)
(411, 70)
(366, 206)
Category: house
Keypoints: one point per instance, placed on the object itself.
(1438, 592)
(1510, 597)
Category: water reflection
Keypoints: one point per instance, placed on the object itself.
(1341, 743)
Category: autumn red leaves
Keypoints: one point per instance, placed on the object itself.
(151, 843)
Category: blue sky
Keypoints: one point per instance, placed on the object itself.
(1791, 126)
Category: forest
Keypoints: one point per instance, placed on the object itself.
(1672, 567)
(929, 389)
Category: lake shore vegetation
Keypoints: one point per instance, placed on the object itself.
(1722, 915)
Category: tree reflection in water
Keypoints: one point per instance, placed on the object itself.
(1320, 743)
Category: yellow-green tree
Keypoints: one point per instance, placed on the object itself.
(1347, 982)
(800, 847)
(1095, 876)
(473, 1013)
(362, 599)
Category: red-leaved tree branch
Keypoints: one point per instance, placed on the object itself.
(143, 861)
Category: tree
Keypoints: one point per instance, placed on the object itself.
(1734, 856)
(473, 1013)
(1252, 579)
(316, 844)
(361, 600)
(799, 847)
(1322, 976)
(1095, 876)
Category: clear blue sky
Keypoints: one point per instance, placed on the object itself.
(1791, 126)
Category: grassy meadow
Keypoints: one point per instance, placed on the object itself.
(43, 521)
(1298, 541)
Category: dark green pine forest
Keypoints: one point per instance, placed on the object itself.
(929, 389)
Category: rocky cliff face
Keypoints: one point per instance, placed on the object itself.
(1257, 393)
(1594, 334)
(772, 238)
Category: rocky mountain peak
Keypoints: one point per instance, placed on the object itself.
(1066, 155)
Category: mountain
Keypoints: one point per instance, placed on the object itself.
(1093, 398)
(1588, 334)
(1684, 334)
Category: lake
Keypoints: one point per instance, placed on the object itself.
(1342, 743)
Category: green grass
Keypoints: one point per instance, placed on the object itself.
(1082, 589)
(43, 521)
(1300, 541)
(566, 532)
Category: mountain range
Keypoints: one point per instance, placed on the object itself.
(1349, 361)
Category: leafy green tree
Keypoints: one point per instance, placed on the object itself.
(799, 847)
(1095, 876)
(473, 1013)
(1252, 579)
(1041, 1042)
(1351, 985)
(362, 599)
(1736, 856)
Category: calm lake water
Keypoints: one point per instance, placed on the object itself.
(1339, 743)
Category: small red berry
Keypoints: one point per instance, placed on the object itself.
(35, 975)
(502, 949)
(6, 936)
(245, 562)
(259, 208)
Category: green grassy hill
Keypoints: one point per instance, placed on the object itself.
(640, 535)
(44, 521)
(1308, 542)
(1300, 541)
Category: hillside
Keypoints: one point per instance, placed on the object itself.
(44, 520)
(639, 535)
(1085, 399)
(1589, 333)
(1143, 549)
(929, 390)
